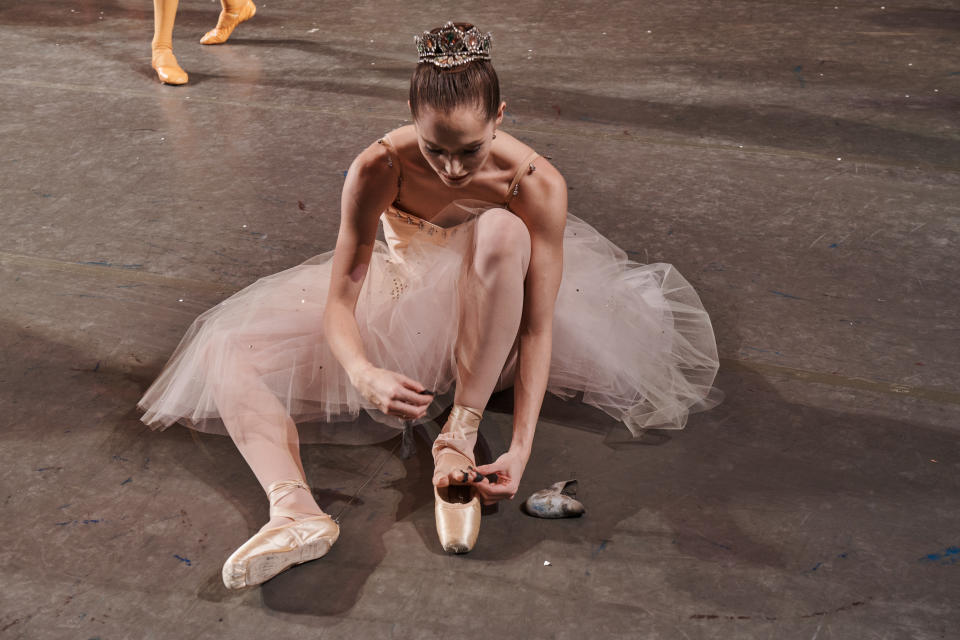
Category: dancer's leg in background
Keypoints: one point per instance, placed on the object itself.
(233, 13)
(162, 58)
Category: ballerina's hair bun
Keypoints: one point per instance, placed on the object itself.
(454, 70)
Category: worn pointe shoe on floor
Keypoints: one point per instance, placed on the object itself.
(267, 553)
(227, 22)
(456, 506)
(168, 70)
(556, 502)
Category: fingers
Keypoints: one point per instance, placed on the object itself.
(405, 394)
(397, 395)
(405, 410)
(490, 492)
(413, 385)
(466, 475)
(410, 383)
(489, 469)
(406, 391)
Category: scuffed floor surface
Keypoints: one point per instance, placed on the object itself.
(798, 162)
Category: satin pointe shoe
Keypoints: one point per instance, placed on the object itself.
(559, 501)
(168, 71)
(457, 507)
(267, 553)
(227, 22)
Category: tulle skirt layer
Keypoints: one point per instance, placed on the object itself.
(633, 339)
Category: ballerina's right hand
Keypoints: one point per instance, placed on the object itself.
(393, 393)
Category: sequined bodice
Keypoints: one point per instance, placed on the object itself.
(400, 229)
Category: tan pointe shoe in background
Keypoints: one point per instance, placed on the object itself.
(165, 64)
(227, 22)
(307, 537)
(457, 507)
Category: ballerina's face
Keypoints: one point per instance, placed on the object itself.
(456, 143)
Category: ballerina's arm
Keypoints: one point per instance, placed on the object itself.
(370, 187)
(542, 205)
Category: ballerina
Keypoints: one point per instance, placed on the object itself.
(484, 281)
(163, 61)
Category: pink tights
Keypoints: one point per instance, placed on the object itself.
(491, 304)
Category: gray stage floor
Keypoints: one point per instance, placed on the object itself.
(798, 162)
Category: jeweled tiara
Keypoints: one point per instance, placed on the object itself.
(451, 46)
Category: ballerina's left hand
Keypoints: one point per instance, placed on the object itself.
(508, 469)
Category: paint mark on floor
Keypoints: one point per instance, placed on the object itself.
(716, 544)
(95, 368)
(815, 614)
(841, 556)
(69, 522)
(185, 561)
(128, 480)
(950, 555)
(845, 607)
(785, 295)
(600, 549)
(104, 263)
(713, 616)
(798, 72)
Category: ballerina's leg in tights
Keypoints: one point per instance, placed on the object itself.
(490, 312)
(263, 431)
(491, 306)
(267, 438)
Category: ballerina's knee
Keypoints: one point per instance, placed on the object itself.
(502, 239)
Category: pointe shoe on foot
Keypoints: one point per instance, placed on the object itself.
(267, 553)
(457, 512)
(227, 22)
(168, 71)
(456, 507)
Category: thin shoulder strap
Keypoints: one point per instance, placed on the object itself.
(392, 158)
(526, 167)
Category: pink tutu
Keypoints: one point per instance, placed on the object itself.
(633, 339)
